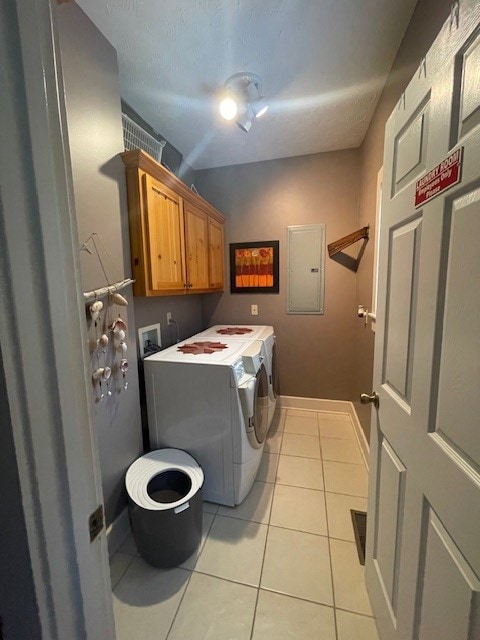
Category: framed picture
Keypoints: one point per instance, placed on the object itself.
(254, 267)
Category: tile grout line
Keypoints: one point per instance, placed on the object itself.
(266, 537)
(303, 599)
(356, 613)
(290, 455)
(123, 572)
(318, 535)
(224, 515)
(191, 571)
(259, 582)
(320, 604)
(282, 593)
(348, 495)
(328, 536)
(179, 604)
(229, 580)
(308, 533)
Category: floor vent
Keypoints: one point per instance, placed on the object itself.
(359, 520)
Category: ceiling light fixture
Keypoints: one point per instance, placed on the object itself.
(244, 99)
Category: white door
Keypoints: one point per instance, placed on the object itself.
(423, 546)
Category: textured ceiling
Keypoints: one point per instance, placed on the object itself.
(323, 65)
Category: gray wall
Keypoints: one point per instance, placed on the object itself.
(426, 22)
(185, 310)
(171, 156)
(315, 353)
(95, 135)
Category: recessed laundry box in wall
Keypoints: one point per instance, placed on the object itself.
(165, 505)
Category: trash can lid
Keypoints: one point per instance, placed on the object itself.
(151, 464)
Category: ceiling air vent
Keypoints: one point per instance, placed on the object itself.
(134, 137)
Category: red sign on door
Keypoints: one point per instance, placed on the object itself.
(440, 178)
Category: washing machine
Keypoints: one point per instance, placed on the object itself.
(210, 398)
(264, 333)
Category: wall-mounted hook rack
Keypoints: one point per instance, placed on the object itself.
(336, 248)
(346, 241)
(96, 294)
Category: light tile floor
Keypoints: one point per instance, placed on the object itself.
(282, 565)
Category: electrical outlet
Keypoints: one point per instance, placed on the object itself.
(169, 317)
(254, 310)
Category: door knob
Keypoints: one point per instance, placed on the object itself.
(374, 398)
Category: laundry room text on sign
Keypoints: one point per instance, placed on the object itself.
(440, 178)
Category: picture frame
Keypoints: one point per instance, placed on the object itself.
(254, 267)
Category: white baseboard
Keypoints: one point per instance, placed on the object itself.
(362, 438)
(118, 531)
(320, 404)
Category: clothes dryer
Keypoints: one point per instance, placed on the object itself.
(264, 333)
(201, 398)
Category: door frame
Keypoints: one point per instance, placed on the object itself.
(43, 335)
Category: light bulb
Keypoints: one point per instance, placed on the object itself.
(228, 108)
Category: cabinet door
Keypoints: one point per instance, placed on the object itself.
(196, 244)
(165, 237)
(215, 254)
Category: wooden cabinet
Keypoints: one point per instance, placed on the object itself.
(164, 249)
(176, 237)
(215, 254)
(196, 247)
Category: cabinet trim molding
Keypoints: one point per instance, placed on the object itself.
(141, 160)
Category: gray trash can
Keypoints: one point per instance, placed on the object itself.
(164, 490)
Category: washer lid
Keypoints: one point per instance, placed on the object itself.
(197, 350)
(150, 465)
(237, 332)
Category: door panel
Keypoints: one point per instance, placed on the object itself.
(391, 489)
(445, 568)
(411, 147)
(402, 288)
(459, 373)
(469, 89)
(423, 541)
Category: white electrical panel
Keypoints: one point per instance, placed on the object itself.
(305, 269)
